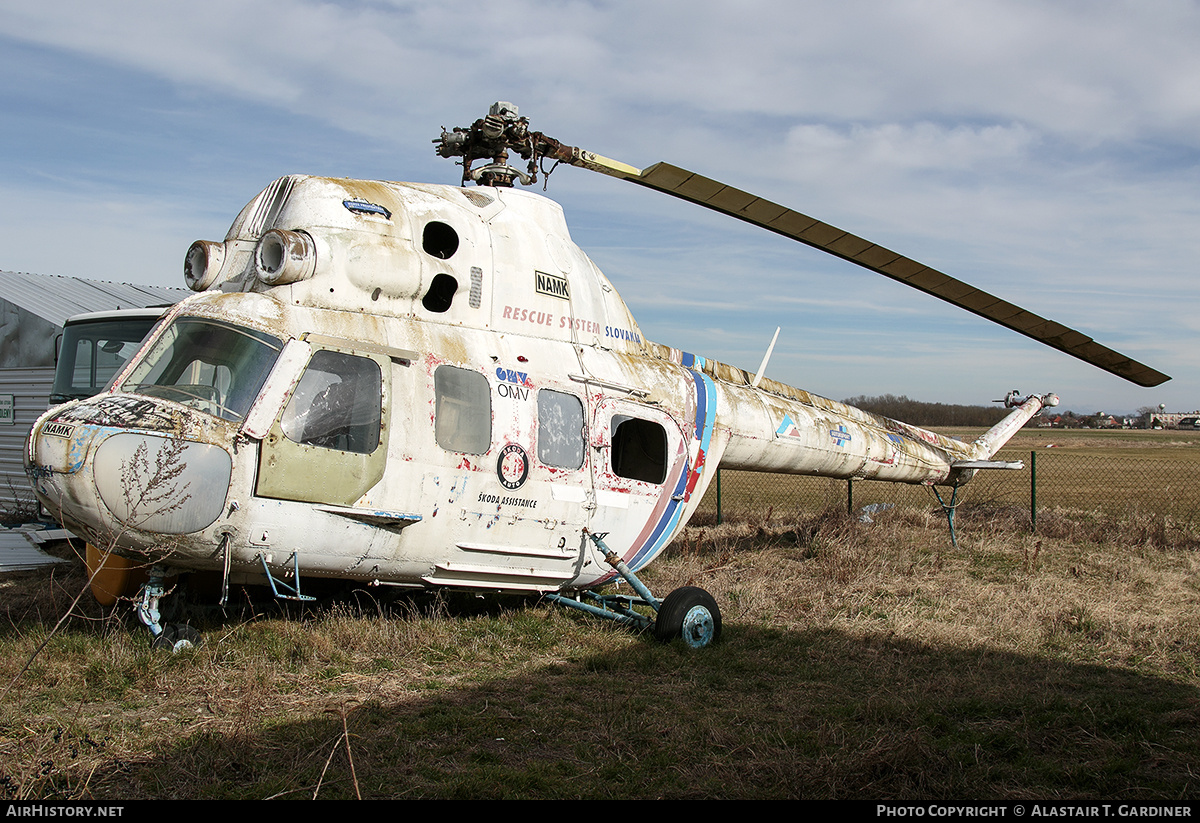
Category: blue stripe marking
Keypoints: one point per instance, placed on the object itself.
(705, 420)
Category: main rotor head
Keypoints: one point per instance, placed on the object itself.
(491, 138)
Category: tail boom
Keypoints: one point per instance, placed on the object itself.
(780, 429)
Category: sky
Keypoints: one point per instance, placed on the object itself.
(1046, 152)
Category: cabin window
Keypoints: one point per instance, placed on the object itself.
(639, 449)
(211, 366)
(336, 404)
(462, 410)
(560, 430)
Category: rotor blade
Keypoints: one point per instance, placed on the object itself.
(744, 206)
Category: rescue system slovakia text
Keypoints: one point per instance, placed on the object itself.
(507, 501)
(545, 318)
(1034, 810)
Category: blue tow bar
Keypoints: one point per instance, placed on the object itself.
(615, 607)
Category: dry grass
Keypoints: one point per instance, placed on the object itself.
(858, 661)
(1136, 580)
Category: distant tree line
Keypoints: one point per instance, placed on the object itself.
(929, 414)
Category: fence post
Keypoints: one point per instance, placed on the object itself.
(1033, 491)
(850, 496)
(718, 497)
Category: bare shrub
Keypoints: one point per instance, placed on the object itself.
(150, 488)
(20, 508)
(994, 518)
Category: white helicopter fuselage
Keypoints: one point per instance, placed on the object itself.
(428, 386)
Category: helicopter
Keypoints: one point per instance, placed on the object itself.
(432, 387)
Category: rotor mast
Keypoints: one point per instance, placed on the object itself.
(491, 138)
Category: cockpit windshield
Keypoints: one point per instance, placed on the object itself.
(211, 366)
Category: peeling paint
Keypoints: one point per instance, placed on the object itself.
(365, 297)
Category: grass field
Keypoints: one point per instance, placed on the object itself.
(867, 661)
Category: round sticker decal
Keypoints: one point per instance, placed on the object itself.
(513, 466)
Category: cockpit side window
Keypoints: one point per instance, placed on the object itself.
(337, 404)
(463, 410)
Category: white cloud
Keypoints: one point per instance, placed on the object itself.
(1046, 151)
(97, 242)
(890, 149)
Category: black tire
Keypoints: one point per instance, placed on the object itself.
(176, 638)
(691, 613)
(165, 641)
(187, 635)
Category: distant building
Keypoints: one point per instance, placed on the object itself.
(1174, 420)
(33, 308)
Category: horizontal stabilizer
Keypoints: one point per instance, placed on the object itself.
(988, 464)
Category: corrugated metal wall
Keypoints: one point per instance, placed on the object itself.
(26, 340)
(31, 392)
(55, 297)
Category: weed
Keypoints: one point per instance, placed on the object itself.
(21, 507)
(150, 488)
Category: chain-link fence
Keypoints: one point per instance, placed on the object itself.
(1168, 486)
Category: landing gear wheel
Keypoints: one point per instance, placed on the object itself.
(690, 613)
(176, 638)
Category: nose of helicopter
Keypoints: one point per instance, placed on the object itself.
(105, 479)
(159, 484)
